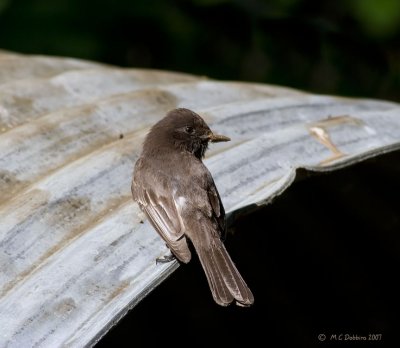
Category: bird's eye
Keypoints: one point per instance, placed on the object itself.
(189, 130)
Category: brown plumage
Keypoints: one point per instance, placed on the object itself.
(178, 195)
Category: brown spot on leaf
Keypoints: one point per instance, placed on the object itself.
(10, 185)
(119, 289)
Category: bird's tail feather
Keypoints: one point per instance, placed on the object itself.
(224, 279)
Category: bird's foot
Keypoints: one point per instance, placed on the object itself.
(165, 259)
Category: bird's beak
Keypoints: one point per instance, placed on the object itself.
(216, 138)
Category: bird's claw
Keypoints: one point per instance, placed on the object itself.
(165, 259)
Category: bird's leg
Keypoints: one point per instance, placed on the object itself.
(166, 258)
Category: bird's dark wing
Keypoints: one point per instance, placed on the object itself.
(157, 202)
(217, 207)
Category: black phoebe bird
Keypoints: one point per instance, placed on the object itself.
(178, 195)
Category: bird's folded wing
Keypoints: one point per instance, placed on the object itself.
(218, 212)
(163, 215)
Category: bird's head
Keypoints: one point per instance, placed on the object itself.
(185, 130)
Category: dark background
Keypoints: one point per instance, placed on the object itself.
(347, 47)
(324, 257)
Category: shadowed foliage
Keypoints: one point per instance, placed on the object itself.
(336, 47)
